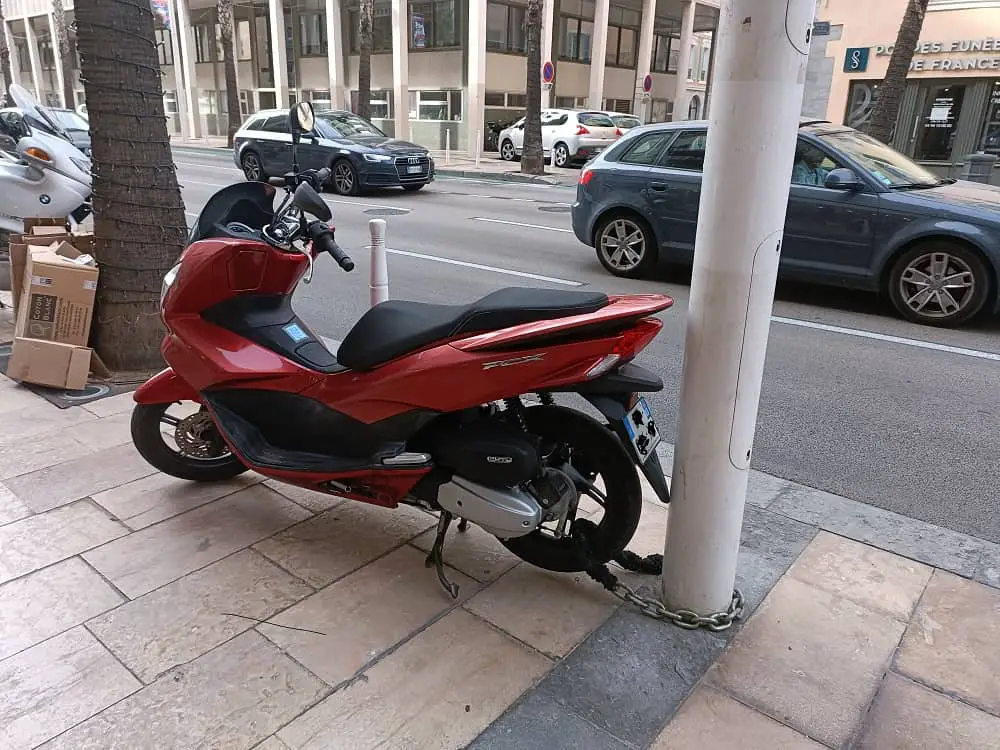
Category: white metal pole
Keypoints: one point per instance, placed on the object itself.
(478, 146)
(447, 148)
(378, 286)
(757, 97)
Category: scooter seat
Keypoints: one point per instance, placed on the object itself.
(394, 328)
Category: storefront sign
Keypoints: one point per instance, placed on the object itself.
(856, 59)
(959, 47)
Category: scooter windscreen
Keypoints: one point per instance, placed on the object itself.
(25, 101)
(248, 203)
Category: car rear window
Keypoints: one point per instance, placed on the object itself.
(595, 120)
(627, 122)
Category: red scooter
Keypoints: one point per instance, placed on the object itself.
(421, 404)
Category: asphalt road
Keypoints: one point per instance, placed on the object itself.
(855, 401)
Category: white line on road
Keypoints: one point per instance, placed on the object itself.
(185, 183)
(889, 339)
(519, 224)
(481, 267)
(367, 205)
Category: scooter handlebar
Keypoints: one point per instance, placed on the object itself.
(322, 239)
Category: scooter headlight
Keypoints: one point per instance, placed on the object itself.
(168, 281)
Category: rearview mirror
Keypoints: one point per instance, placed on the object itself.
(842, 179)
(308, 200)
(302, 118)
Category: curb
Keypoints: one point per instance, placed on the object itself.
(499, 177)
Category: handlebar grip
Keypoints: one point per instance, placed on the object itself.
(323, 175)
(342, 258)
(277, 181)
(322, 239)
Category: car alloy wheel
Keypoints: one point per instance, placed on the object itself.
(507, 152)
(622, 245)
(939, 283)
(252, 168)
(562, 155)
(344, 179)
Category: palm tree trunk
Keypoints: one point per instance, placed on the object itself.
(235, 118)
(893, 86)
(8, 79)
(63, 48)
(139, 224)
(365, 16)
(532, 157)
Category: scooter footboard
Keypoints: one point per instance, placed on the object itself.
(165, 387)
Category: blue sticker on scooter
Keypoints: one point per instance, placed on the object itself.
(295, 333)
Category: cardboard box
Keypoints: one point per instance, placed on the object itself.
(49, 363)
(19, 244)
(57, 295)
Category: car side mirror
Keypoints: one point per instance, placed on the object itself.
(843, 179)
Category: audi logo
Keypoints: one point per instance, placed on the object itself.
(413, 159)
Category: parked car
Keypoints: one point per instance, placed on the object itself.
(75, 127)
(624, 123)
(860, 215)
(574, 135)
(359, 155)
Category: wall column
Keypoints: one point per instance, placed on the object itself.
(57, 55)
(641, 104)
(33, 59)
(598, 50)
(475, 107)
(15, 59)
(279, 57)
(180, 29)
(401, 68)
(681, 97)
(335, 54)
(548, 32)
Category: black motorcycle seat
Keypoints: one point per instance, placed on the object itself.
(394, 328)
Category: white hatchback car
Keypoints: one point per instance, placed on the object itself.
(572, 135)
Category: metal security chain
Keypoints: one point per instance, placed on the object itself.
(582, 534)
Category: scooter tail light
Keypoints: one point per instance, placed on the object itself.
(603, 365)
(580, 130)
(637, 338)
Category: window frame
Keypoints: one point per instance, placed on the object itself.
(666, 151)
(434, 46)
(667, 139)
(508, 47)
(322, 47)
(208, 40)
(417, 101)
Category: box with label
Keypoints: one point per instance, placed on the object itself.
(57, 295)
(19, 244)
(50, 363)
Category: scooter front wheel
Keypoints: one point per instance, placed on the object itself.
(185, 444)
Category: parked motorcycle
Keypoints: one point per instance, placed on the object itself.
(46, 176)
(422, 404)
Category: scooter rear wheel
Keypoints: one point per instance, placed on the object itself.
(569, 436)
(200, 455)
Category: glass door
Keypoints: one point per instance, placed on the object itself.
(937, 125)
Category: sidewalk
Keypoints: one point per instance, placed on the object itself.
(491, 167)
(139, 611)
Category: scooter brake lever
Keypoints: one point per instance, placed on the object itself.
(307, 279)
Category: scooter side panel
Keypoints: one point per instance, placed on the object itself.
(165, 387)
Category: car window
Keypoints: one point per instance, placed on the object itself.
(349, 125)
(627, 122)
(884, 163)
(811, 165)
(686, 152)
(646, 149)
(556, 121)
(255, 123)
(595, 120)
(277, 124)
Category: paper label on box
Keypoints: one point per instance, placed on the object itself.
(90, 285)
(41, 281)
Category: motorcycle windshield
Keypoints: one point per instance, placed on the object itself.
(23, 99)
(249, 203)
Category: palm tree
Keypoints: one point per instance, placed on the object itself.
(225, 12)
(4, 55)
(139, 224)
(532, 157)
(366, 19)
(64, 49)
(890, 93)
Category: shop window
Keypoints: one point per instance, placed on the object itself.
(505, 31)
(312, 34)
(246, 102)
(665, 49)
(242, 40)
(170, 103)
(575, 35)
(991, 131)
(320, 99)
(517, 101)
(938, 123)
(438, 106)
(434, 25)
(494, 99)
(203, 38)
(621, 106)
(623, 30)
(861, 99)
(571, 102)
(380, 103)
(22, 56)
(164, 50)
(381, 29)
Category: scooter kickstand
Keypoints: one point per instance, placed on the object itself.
(436, 557)
(463, 525)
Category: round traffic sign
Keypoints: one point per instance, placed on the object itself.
(548, 72)
(647, 83)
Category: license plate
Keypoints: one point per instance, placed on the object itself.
(414, 170)
(642, 430)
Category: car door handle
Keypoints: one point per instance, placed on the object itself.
(659, 187)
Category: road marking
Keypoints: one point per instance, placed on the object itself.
(204, 166)
(519, 224)
(366, 205)
(185, 183)
(917, 343)
(481, 267)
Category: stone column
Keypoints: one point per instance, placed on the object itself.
(401, 68)
(180, 29)
(644, 59)
(335, 54)
(474, 108)
(279, 58)
(548, 32)
(598, 49)
(33, 59)
(681, 97)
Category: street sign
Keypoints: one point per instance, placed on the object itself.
(856, 59)
(647, 83)
(821, 28)
(548, 72)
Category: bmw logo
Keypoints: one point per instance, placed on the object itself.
(45, 199)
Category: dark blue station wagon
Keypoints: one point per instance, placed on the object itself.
(860, 215)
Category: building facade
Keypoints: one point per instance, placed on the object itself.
(951, 106)
(441, 69)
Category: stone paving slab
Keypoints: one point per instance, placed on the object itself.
(141, 611)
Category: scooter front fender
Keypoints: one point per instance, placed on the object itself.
(165, 387)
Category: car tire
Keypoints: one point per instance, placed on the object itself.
(253, 168)
(638, 256)
(562, 155)
(940, 283)
(414, 188)
(344, 179)
(507, 150)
